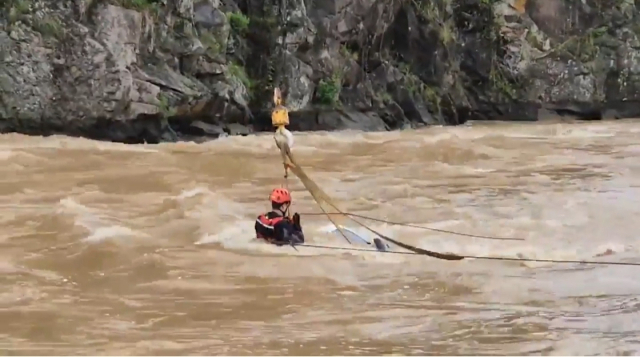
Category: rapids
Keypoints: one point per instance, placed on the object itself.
(148, 249)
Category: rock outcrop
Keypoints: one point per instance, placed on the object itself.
(165, 70)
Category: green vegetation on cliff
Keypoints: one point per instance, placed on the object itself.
(410, 62)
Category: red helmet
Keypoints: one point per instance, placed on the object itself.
(280, 195)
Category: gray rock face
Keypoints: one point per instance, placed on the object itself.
(165, 70)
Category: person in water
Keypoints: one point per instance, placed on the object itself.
(275, 226)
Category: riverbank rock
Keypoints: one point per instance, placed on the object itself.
(168, 70)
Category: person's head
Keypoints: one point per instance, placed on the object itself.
(280, 199)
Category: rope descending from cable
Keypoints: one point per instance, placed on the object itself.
(284, 142)
(558, 261)
(416, 226)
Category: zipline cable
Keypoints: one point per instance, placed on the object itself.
(415, 226)
(558, 261)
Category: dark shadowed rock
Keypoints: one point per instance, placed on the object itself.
(316, 120)
(198, 128)
(343, 120)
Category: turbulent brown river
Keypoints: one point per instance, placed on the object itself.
(149, 249)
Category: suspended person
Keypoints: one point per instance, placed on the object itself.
(275, 226)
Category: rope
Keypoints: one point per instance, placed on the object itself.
(558, 261)
(416, 226)
(328, 215)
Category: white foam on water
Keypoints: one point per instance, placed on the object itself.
(212, 211)
(103, 233)
(240, 236)
(6, 154)
(362, 233)
(306, 142)
(99, 226)
(562, 212)
(238, 233)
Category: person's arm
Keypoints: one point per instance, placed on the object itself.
(298, 228)
(287, 232)
(263, 230)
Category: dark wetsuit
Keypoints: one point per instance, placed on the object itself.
(276, 229)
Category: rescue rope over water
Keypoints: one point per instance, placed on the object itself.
(534, 260)
(283, 139)
(284, 142)
(417, 226)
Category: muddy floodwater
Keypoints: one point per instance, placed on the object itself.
(149, 249)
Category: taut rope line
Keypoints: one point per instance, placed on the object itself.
(420, 227)
(284, 142)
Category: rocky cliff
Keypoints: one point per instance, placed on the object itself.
(162, 70)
